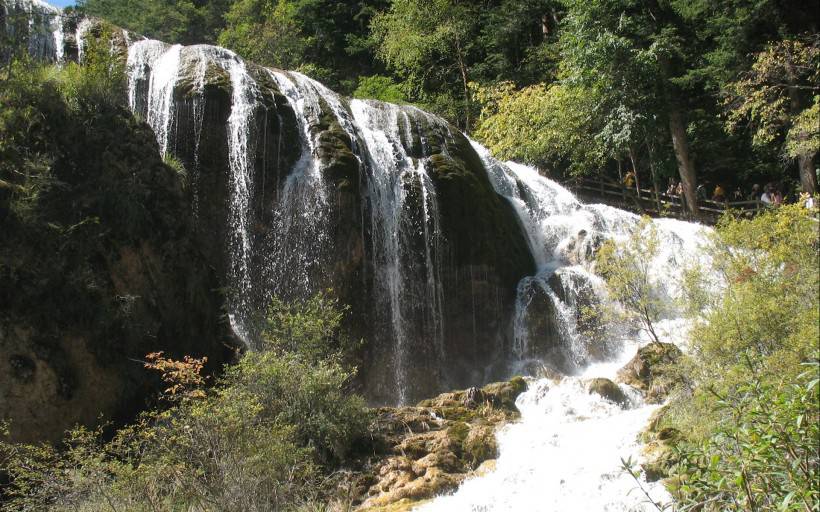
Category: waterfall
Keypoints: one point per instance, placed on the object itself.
(393, 176)
(43, 27)
(565, 452)
(163, 78)
(300, 239)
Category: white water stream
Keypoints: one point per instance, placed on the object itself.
(565, 452)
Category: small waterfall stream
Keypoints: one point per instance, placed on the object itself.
(565, 453)
(393, 177)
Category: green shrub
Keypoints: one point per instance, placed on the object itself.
(379, 87)
(750, 408)
(263, 437)
(763, 454)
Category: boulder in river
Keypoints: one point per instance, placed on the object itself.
(651, 371)
(608, 390)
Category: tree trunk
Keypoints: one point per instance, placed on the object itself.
(808, 178)
(686, 168)
(465, 81)
(654, 177)
(635, 172)
(805, 163)
(638, 199)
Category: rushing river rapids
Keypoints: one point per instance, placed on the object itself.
(388, 203)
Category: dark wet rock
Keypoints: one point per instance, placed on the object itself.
(608, 390)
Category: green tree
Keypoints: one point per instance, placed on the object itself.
(780, 93)
(632, 53)
(265, 32)
(379, 87)
(324, 38)
(172, 21)
(418, 38)
(626, 268)
(546, 126)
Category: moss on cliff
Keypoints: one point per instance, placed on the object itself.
(98, 263)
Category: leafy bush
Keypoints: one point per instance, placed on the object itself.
(262, 438)
(763, 454)
(750, 411)
(379, 87)
(626, 268)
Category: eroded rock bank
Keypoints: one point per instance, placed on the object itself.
(418, 452)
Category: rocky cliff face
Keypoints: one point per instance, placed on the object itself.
(292, 189)
(299, 190)
(99, 262)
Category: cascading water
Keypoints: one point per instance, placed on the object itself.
(40, 23)
(566, 451)
(394, 176)
(153, 70)
(301, 240)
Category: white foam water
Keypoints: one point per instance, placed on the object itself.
(565, 452)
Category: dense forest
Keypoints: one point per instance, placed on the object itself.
(702, 92)
(105, 244)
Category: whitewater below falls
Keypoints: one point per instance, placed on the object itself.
(564, 454)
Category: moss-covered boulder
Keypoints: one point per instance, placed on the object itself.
(608, 390)
(417, 453)
(652, 371)
(659, 452)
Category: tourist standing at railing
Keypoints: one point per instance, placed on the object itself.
(777, 197)
(719, 195)
(768, 196)
(672, 189)
(629, 179)
(700, 192)
(754, 195)
(737, 195)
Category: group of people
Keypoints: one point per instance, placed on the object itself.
(770, 195)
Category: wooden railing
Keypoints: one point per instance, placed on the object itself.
(647, 201)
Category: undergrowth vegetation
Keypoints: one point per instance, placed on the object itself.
(266, 435)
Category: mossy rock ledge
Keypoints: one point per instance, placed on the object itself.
(418, 452)
(659, 452)
(651, 371)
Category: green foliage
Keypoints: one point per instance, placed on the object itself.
(762, 455)
(764, 305)
(544, 126)
(173, 21)
(379, 87)
(264, 437)
(750, 406)
(310, 328)
(264, 32)
(774, 97)
(626, 268)
(326, 39)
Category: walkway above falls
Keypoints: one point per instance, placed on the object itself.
(655, 204)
